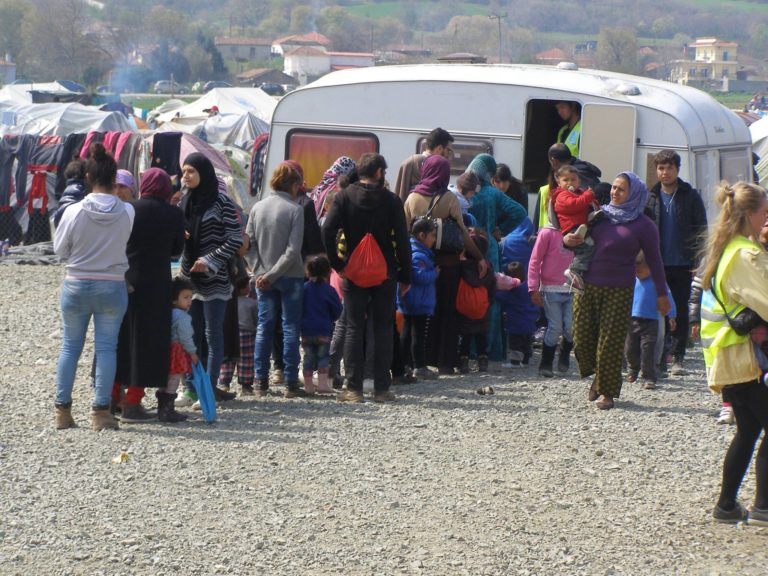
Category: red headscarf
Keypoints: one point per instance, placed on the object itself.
(155, 183)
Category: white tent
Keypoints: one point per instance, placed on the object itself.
(58, 119)
(759, 132)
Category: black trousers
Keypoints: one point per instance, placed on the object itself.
(382, 309)
(750, 407)
(481, 344)
(640, 347)
(679, 280)
(413, 341)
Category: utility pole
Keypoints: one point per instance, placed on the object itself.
(499, 18)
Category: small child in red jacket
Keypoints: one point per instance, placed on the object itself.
(572, 207)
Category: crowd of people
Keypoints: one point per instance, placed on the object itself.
(350, 286)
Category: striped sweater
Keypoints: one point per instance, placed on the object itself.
(220, 239)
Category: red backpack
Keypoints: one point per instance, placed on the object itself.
(366, 266)
(472, 301)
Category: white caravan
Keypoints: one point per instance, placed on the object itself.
(509, 112)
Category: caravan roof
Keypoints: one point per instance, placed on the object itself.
(707, 122)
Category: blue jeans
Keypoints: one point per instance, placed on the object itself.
(106, 301)
(316, 353)
(208, 319)
(558, 309)
(287, 293)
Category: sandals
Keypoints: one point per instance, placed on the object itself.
(604, 403)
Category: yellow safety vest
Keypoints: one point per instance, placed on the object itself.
(543, 208)
(716, 332)
(572, 141)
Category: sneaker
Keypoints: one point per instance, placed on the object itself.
(677, 369)
(513, 364)
(738, 514)
(350, 396)
(278, 377)
(186, 399)
(726, 415)
(136, 414)
(247, 391)
(407, 378)
(223, 387)
(757, 517)
(424, 373)
(631, 376)
(382, 397)
(294, 391)
(196, 406)
(649, 385)
(575, 283)
(581, 231)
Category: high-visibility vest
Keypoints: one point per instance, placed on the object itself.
(716, 331)
(572, 141)
(543, 206)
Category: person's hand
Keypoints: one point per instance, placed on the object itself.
(194, 358)
(186, 234)
(663, 305)
(672, 324)
(244, 247)
(572, 240)
(536, 299)
(695, 331)
(262, 283)
(497, 234)
(403, 288)
(482, 267)
(199, 266)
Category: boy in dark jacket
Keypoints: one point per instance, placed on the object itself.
(475, 329)
(418, 304)
(76, 188)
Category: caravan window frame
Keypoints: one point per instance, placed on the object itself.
(458, 166)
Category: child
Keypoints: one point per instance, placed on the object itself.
(418, 304)
(640, 346)
(571, 206)
(466, 187)
(183, 350)
(549, 261)
(475, 329)
(248, 318)
(520, 313)
(322, 308)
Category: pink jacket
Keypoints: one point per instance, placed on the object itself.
(549, 260)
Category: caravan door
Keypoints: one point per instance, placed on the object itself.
(608, 138)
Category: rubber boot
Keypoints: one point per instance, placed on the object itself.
(564, 359)
(309, 384)
(63, 416)
(547, 358)
(322, 382)
(166, 409)
(101, 419)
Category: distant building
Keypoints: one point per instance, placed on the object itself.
(307, 63)
(283, 46)
(243, 49)
(714, 62)
(553, 56)
(462, 58)
(258, 76)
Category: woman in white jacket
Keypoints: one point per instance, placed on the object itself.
(91, 239)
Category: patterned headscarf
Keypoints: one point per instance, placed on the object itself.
(343, 165)
(435, 175)
(484, 167)
(633, 206)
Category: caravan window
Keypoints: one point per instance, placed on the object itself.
(735, 165)
(464, 150)
(316, 150)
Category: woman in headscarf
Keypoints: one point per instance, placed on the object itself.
(601, 313)
(341, 167)
(145, 335)
(499, 215)
(213, 237)
(443, 337)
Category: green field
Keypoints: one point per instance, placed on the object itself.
(395, 9)
(731, 5)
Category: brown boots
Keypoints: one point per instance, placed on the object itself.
(63, 416)
(102, 419)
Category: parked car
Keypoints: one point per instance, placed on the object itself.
(216, 84)
(165, 87)
(272, 89)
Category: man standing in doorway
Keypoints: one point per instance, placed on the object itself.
(570, 133)
(408, 175)
(678, 211)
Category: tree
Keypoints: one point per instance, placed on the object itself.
(12, 15)
(617, 50)
(302, 20)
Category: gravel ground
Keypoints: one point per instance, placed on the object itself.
(531, 480)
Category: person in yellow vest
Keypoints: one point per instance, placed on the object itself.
(570, 133)
(735, 274)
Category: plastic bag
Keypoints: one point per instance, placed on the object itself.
(202, 383)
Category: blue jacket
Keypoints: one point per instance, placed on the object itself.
(644, 301)
(516, 247)
(420, 299)
(520, 314)
(322, 308)
(73, 193)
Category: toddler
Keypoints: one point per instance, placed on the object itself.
(248, 319)
(640, 346)
(475, 328)
(322, 307)
(572, 206)
(418, 304)
(183, 351)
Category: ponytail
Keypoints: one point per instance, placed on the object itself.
(100, 167)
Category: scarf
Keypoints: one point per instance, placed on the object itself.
(155, 183)
(633, 206)
(484, 167)
(198, 200)
(435, 175)
(343, 165)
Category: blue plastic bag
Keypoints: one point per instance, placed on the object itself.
(202, 384)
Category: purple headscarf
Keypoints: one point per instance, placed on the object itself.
(155, 183)
(633, 206)
(435, 175)
(343, 165)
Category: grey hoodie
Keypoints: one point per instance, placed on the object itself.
(92, 236)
